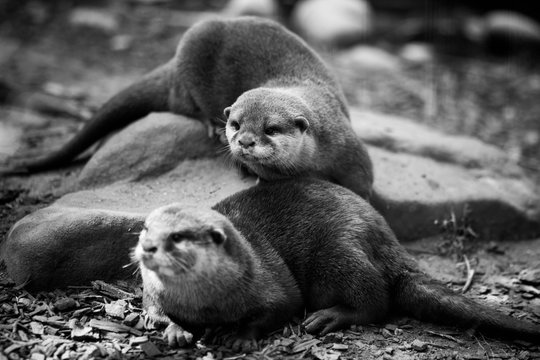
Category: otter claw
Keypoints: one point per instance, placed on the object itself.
(177, 337)
(321, 322)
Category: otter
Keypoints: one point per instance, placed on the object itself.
(259, 69)
(262, 255)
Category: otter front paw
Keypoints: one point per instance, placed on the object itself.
(324, 321)
(233, 340)
(153, 320)
(176, 336)
(238, 343)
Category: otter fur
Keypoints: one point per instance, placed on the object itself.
(260, 70)
(264, 254)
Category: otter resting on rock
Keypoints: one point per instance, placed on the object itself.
(269, 252)
(273, 84)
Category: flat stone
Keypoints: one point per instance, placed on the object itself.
(422, 175)
(96, 18)
(513, 25)
(263, 8)
(332, 23)
(530, 276)
(417, 53)
(368, 58)
(416, 191)
(402, 135)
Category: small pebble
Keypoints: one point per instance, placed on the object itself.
(65, 304)
(419, 345)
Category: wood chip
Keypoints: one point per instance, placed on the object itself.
(305, 345)
(150, 349)
(108, 326)
(38, 356)
(340, 347)
(115, 310)
(36, 328)
(83, 311)
(138, 340)
(111, 290)
(131, 319)
(81, 333)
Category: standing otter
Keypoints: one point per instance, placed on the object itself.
(245, 262)
(264, 72)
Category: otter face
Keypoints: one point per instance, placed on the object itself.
(176, 245)
(272, 141)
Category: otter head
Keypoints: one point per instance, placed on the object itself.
(268, 130)
(180, 244)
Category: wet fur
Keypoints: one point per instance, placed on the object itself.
(216, 62)
(345, 260)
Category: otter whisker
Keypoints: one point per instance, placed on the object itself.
(134, 262)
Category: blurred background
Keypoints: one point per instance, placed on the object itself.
(466, 67)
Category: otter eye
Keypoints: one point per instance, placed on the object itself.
(234, 125)
(177, 237)
(218, 236)
(271, 130)
(301, 123)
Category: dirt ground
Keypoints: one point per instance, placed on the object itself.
(73, 69)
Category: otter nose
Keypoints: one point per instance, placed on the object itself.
(148, 246)
(246, 141)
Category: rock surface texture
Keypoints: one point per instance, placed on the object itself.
(421, 176)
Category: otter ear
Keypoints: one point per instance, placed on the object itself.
(218, 236)
(227, 111)
(302, 123)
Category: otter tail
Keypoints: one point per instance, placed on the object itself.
(149, 94)
(428, 300)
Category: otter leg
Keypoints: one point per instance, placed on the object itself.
(337, 317)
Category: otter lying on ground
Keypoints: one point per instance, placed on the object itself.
(272, 82)
(266, 253)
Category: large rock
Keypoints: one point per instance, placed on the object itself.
(364, 58)
(332, 23)
(421, 176)
(264, 8)
(155, 145)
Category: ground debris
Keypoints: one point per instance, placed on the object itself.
(530, 276)
(65, 304)
(419, 345)
(112, 291)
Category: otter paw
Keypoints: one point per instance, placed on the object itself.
(235, 342)
(176, 336)
(323, 321)
(153, 321)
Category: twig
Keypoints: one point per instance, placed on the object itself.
(445, 336)
(470, 274)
